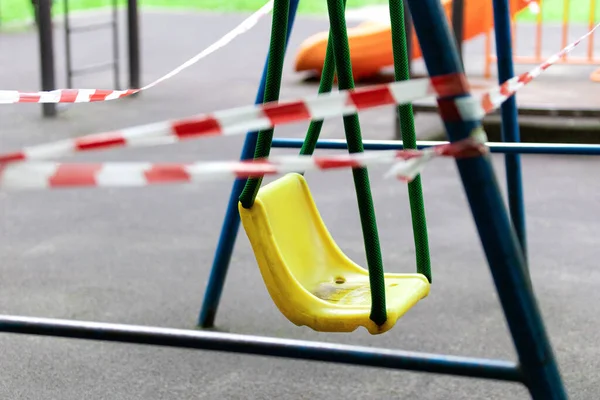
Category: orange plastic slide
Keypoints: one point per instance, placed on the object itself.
(371, 42)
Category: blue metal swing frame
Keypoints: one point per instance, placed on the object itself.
(503, 234)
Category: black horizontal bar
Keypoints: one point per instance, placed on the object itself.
(264, 346)
(559, 112)
(90, 27)
(93, 68)
(530, 111)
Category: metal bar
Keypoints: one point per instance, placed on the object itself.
(45, 34)
(487, 71)
(565, 24)
(538, 31)
(231, 222)
(544, 111)
(264, 346)
(68, 54)
(458, 22)
(495, 147)
(513, 35)
(510, 121)
(89, 27)
(133, 40)
(92, 68)
(115, 37)
(35, 9)
(505, 256)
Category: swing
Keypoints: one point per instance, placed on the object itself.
(309, 278)
(311, 281)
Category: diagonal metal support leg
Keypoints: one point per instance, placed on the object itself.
(231, 223)
(497, 234)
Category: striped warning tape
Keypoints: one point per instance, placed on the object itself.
(497, 96)
(406, 164)
(31, 175)
(233, 121)
(96, 95)
(474, 109)
(269, 115)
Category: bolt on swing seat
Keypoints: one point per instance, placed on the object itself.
(309, 278)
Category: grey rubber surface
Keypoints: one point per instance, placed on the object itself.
(143, 256)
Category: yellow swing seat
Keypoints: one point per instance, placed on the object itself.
(309, 278)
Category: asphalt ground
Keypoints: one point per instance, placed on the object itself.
(143, 256)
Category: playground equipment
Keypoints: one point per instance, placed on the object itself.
(47, 67)
(111, 24)
(283, 254)
(504, 251)
(371, 41)
(311, 281)
(537, 57)
(277, 246)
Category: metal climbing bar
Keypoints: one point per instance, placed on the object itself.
(43, 15)
(112, 24)
(500, 243)
(231, 223)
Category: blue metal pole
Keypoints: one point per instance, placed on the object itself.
(495, 147)
(231, 223)
(265, 346)
(510, 120)
(497, 235)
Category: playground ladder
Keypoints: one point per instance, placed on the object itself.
(113, 24)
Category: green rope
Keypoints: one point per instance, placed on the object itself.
(325, 85)
(409, 139)
(272, 89)
(341, 49)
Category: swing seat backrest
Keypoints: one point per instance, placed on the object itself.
(310, 279)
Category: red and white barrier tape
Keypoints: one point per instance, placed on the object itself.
(45, 175)
(50, 175)
(495, 97)
(95, 95)
(475, 108)
(269, 115)
(229, 122)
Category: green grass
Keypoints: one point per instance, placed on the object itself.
(16, 10)
(19, 10)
